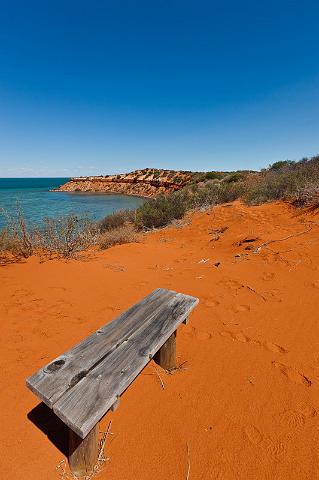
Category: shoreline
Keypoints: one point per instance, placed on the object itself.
(91, 192)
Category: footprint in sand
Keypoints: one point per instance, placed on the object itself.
(203, 335)
(272, 295)
(308, 411)
(316, 360)
(22, 293)
(241, 337)
(273, 347)
(276, 448)
(195, 333)
(219, 471)
(211, 303)
(231, 284)
(253, 435)
(292, 419)
(292, 374)
(241, 308)
(295, 420)
(268, 276)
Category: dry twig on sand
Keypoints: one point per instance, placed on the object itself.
(293, 235)
(189, 463)
(254, 291)
(179, 368)
(101, 457)
(160, 378)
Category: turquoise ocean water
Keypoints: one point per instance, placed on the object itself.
(36, 201)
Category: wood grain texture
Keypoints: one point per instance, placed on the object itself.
(82, 406)
(166, 355)
(54, 379)
(82, 384)
(83, 454)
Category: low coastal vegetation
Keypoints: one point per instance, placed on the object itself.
(295, 182)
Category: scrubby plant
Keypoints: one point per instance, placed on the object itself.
(66, 235)
(213, 175)
(118, 236)
(116, 219)
(10, 243)
(297, 182)
(286, 181)
(234, 177)
(160, 211)
(281, 164)
(211, 193)
(16, 237)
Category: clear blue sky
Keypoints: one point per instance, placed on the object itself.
(90, 87)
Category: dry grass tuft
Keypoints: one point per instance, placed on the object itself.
(118, 236)
(64, 472)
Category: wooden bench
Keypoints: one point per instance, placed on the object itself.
(85, 382)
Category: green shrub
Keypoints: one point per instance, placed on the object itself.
(285, 181)
(209, 194)
(281, 164)
(213, 175)
(234, 177)
(160, 211)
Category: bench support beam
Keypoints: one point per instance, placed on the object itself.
(83, 453)
(166, 356)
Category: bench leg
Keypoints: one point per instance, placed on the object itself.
(83, 453)
(166, 356)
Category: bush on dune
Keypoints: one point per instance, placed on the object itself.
(209, 194)
(296, 182)
(16, 237)
(66, 235)
(284, 180)
(117, 236)
(161, 211)
(116, 219)
(12, 244)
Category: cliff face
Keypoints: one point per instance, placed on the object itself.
(145, 183)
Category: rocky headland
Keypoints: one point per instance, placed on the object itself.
(148, 182)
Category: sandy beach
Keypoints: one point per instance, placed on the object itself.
(243, 404)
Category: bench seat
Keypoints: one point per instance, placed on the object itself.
(85, 382)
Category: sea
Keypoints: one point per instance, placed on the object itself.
(32, 196)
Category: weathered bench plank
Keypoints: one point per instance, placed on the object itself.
(54, 379)
(82, 406)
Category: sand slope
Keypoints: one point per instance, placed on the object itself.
(246, 403)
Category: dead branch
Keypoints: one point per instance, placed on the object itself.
(265, 244)
(254, 291)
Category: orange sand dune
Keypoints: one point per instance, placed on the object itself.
(246, 402)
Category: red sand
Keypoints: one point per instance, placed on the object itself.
(247, 402)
